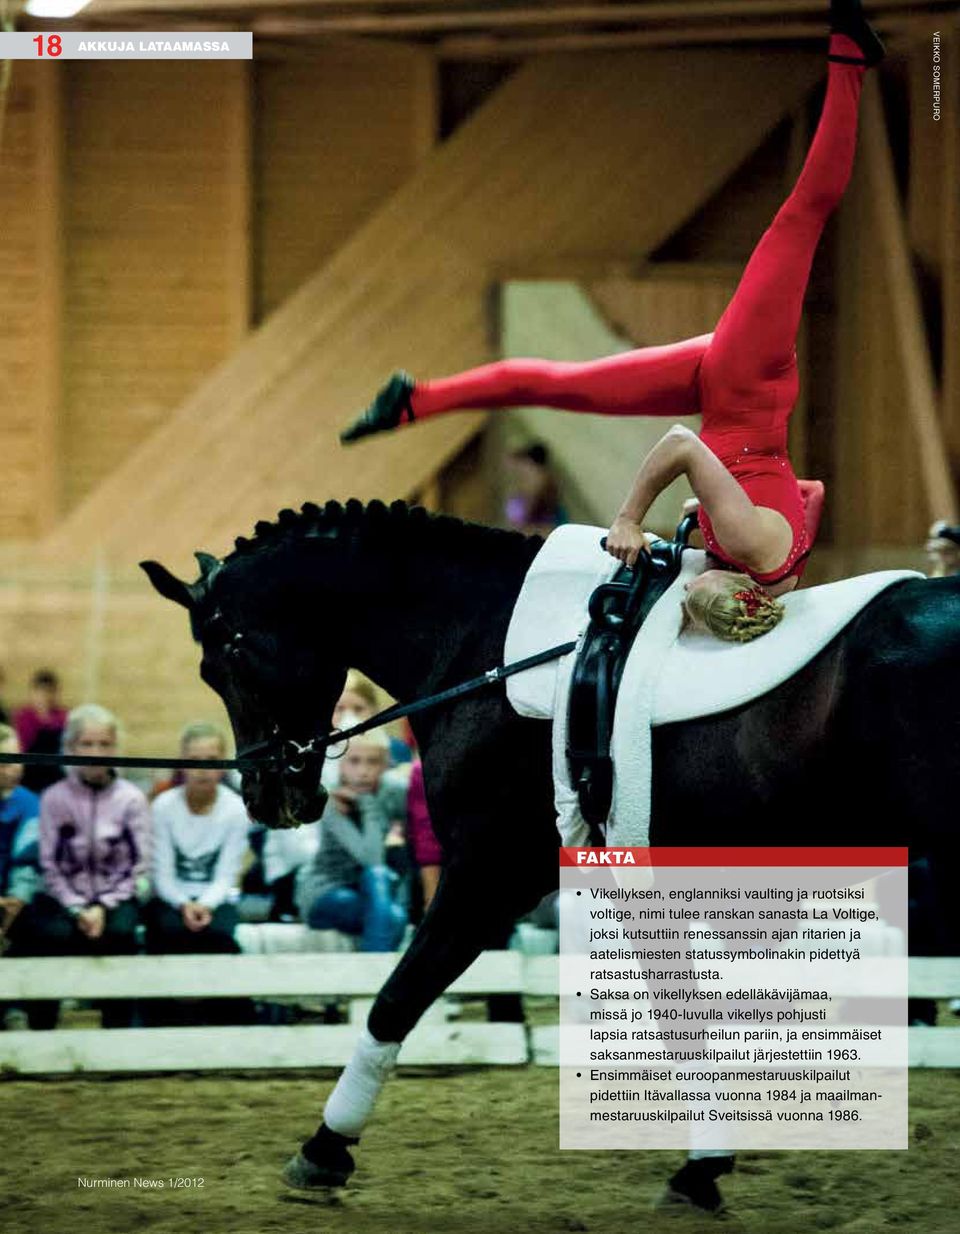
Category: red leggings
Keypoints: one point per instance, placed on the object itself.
(741, 377)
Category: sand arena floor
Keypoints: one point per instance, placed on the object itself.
(473, 1151)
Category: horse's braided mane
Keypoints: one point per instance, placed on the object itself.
(398, 518)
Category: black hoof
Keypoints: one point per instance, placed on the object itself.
(323, 1161)
(694, 1186)
(305, 1176)
(672, 1200)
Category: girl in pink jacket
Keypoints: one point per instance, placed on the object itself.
(94, 844)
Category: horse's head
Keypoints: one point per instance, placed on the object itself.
(261, 657)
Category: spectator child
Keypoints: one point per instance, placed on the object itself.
(40, 728)
(200, 841)
(19, 835)
(358, 701)
(348, 885)
(94, 842)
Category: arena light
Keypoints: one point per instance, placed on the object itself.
(55, 8)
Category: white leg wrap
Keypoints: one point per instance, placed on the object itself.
(354, 1096)
(698, 1154)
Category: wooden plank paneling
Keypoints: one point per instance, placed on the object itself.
(596, 457)
(669, 305)
(334, 138)
(279, 1046)
(908, 333)
(950, 224)
(30, 290)
(891, 462)
(279, 975)
(238, 202)
(155, 238)
(927, 148)
(559, 163)
(113, 644)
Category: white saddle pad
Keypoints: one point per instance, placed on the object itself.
(668, 676)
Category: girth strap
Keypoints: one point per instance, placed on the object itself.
(617, 611)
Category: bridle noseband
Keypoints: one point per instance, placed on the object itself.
(276, 752)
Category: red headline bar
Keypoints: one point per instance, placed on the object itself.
(594, 858)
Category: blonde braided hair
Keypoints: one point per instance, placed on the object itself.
(737, 612)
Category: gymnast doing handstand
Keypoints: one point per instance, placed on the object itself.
(758, 521)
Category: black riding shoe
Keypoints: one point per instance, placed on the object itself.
(847, 17)
(386, 411)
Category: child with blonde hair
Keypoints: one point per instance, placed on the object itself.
(348, 885)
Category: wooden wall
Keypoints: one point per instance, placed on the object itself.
(412, 285)
(596, 457)
(155, 242)
(111, 641)
(728, 224)
(411, 288)
(890, 445)
(29, 292)
(129, 270)
(379, 278)
(333, 139)
(150, 213)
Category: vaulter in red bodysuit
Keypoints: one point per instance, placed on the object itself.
(742, 379)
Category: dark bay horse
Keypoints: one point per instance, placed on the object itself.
(860, 747)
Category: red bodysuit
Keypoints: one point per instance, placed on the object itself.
(742, 379)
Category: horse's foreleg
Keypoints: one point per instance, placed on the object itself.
(325, 1159)
(456, 928)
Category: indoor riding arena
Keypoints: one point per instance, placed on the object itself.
(211, 266)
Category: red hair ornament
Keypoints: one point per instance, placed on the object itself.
(753, 599)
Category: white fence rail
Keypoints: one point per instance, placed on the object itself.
(319, 976)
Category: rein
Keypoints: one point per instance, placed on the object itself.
(284, 754)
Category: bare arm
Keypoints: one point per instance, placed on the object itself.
(758, 537)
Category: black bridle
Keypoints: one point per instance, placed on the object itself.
(285, 754)
(279, 753)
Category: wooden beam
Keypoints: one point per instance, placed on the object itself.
(909, 338)
(239, 202)
(800, 139)
(314, 974)
(48, 494)
(321, 974)
(138, 21)
(587, 269)
(490, 47)
(656, 10)
(925, 215)
(429, 21)
(285, 1047)
(278, 1047)
(934, 1047)
(184, 6)
(934, 977)
(950, 121)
